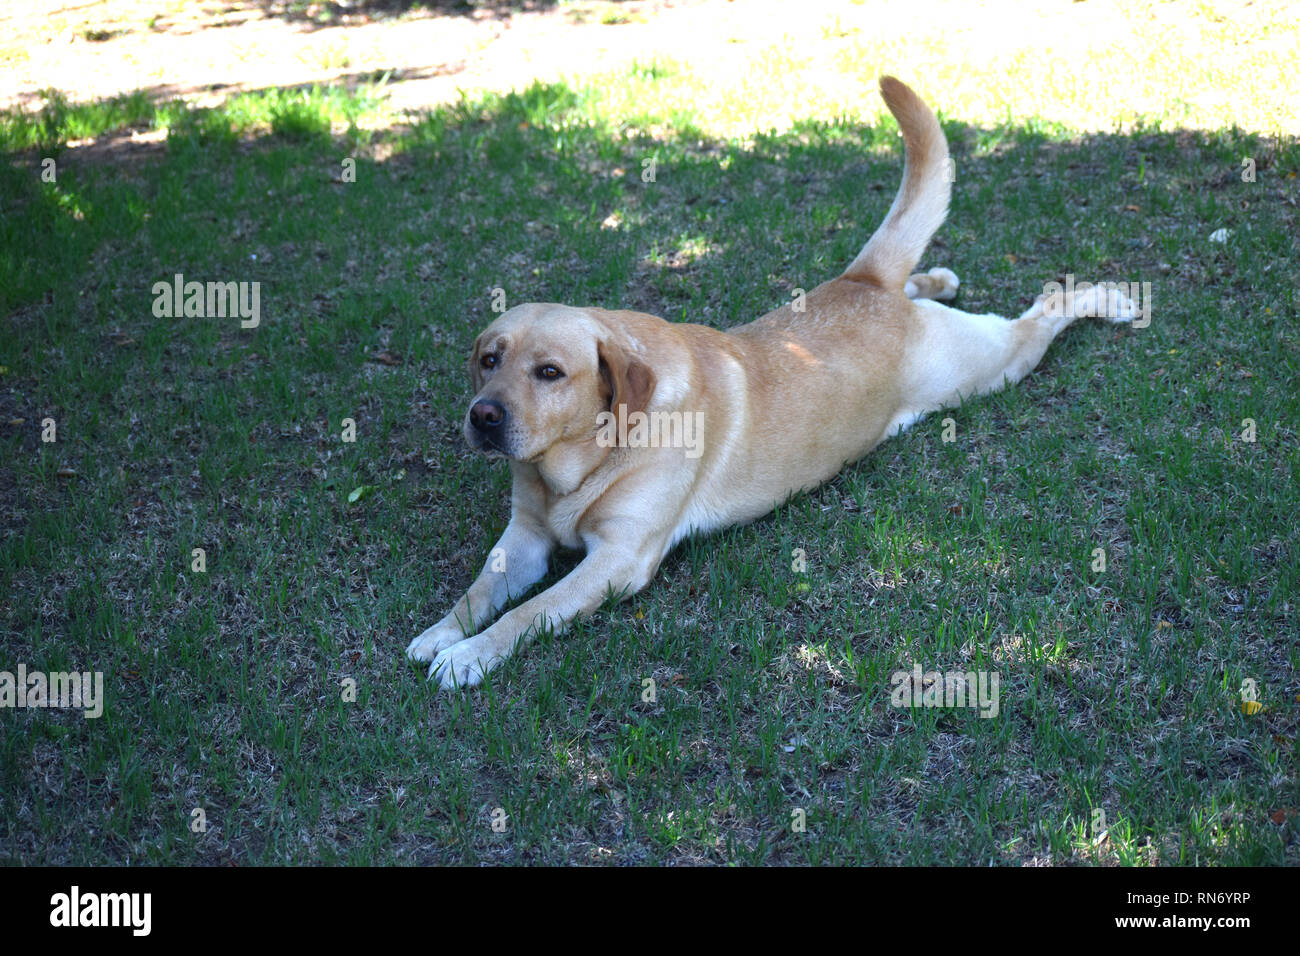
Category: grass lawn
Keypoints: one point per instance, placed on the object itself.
(228, 690)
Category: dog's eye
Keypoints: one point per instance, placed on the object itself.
(549, 372)
(488, 361)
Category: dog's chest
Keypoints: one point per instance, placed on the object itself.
(563, 520)
(572, 517)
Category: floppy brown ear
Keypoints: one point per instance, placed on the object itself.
(631, 381)
(475, 369)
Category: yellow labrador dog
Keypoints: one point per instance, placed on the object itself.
(626, 433)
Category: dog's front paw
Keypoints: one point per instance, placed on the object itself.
(464, 664)
(437, 638)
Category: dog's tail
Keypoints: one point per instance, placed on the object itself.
(922, 201)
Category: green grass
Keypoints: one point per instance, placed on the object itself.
(60, 121)
(1119, 690)
(299, 114)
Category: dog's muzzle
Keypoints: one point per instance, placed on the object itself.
(487, 425)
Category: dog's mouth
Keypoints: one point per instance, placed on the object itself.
(494, 443)
(491, 445)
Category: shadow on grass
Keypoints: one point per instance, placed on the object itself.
(323, 14)
(581, 181)
(328, 13)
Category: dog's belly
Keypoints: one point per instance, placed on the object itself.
(802, 430)
(748, 480)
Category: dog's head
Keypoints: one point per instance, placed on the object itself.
(542, 376)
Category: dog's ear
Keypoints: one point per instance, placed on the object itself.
(630, 381)
(475, 369)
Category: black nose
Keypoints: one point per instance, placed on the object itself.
(487, 414)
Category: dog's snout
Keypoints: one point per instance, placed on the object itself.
(487, 414)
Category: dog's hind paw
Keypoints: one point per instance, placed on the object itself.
(948, 283)
(938, 283)
(1106, 300)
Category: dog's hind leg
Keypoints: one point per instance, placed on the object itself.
(958, 355)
